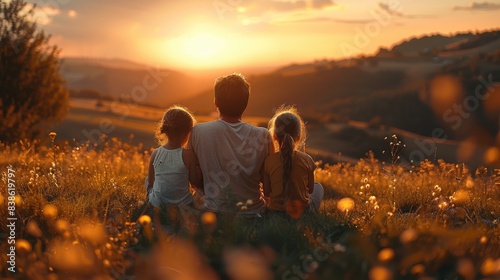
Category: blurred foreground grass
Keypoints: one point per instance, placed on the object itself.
(78, 208)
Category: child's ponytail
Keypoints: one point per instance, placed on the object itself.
(288, 129)
(287, 147)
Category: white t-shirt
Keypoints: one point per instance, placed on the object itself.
(171, 184)
(231, 157)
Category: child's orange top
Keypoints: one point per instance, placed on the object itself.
(302, 166)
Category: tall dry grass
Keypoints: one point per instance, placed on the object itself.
(78, 204)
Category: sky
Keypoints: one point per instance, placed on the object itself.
(203, 34)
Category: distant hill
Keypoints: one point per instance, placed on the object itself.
(108, 63)
(478, 40)
(310, 92)
(385, 93)
(118, 79)
(437, 41)
(383, 90)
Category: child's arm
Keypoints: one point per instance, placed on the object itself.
(193, 166)
(151, 173)
(310, 175)
(310, 181)
(266, 180)
(266, 184)
(270, 150)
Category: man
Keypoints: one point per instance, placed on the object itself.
(231, 152)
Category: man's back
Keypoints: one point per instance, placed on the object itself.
(231, 156)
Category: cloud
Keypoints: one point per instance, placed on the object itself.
(303, 20)
(353, 21)
(390, 10)
(72, 14)
(268, 12)
(325, 19)
(396, 11)
(259, 7)
(43, 14)
(319, 4)
(282, 6)
(478, 6)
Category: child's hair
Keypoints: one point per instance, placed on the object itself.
(175, 125)
(288, 128)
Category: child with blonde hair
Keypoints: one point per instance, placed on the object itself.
(289, 173)
(172, 168)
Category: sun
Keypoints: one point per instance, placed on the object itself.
(199, 49)
(207, 47)
(202, 45)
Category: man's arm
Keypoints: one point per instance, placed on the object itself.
(192, 164)
(189, 144)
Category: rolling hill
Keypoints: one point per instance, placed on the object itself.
(128, 81)
(386, 92)
(415, 45)
(387, 89)
(312, 90)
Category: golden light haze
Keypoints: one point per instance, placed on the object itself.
(228, 33)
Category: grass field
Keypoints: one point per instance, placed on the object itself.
(89, 118)
(78, 211)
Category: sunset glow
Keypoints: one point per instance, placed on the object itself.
(207, 34)
(201, 46)
(201, 49)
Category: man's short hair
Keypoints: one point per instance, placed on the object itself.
(231, 94)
